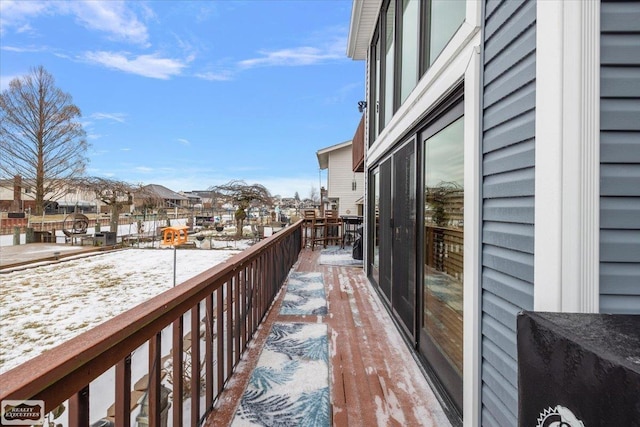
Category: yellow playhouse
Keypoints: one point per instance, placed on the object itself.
(176, 235)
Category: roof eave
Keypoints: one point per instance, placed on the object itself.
(364, 15)
(323, 154)
(323, 160)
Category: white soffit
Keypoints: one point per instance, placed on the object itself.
(323, 154)
(364, 15)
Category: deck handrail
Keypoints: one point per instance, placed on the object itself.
(235, 294)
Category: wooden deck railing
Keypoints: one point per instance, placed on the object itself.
(208, 321)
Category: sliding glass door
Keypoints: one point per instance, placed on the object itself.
(392, 234)
(416, 240)
(441, 334)
(403, 229)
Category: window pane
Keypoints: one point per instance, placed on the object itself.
(376, 106)
(444, 239)
(376, 218)
(410, 21)
(388, 66)
(446, 17)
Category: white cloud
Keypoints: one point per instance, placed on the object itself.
(116, 117)
(22, 49)
(291, 57)
(211, 76)
(144, 169)
(324, 51)
(183, 141)
(15, 14)
(114, 18)
(151, 66)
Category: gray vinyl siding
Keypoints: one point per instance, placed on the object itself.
(508, 156)
(620, 158)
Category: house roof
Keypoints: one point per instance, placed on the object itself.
(163, 192)
(364, 14)
(323, 154)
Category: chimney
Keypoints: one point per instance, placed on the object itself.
(17, 193)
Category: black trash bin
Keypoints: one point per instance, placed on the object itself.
(357, 246)
(105, 238)
(577, 369)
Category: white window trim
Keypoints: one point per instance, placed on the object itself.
(567, 168)
(472, 243)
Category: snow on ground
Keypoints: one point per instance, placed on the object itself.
(41, 307)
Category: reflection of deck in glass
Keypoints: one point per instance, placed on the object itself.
(443, 314)
(444, 250)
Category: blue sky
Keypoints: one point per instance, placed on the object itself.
(190, 94)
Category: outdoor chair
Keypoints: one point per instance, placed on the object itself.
(333, 228)
(313, 228)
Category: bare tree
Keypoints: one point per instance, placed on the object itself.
(115, 194)
(40, 137)
(242, 195)
(314, 195)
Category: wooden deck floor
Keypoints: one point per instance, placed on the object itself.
(373, 377)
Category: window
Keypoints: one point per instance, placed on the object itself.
(378, 89)
(389, 46)
(409, 47)
(404, 46)
(374, 102)
(375, 229)
(444, 20)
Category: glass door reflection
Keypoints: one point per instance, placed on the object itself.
(442, 335)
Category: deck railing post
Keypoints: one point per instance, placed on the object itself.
(245, 308)
(79, 408)
(123, 392)
(229, 307)
(209, 356)
(220, 338)
(177, 374)
(153, 390)
(237, 318)
(195, 365)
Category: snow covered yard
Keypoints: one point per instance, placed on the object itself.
(43, 306)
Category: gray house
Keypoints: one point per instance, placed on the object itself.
(502, 165)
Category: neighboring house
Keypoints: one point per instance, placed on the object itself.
(195, 200)
(344, 186)
(502, 162)
(17, 194)
(160, 197)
